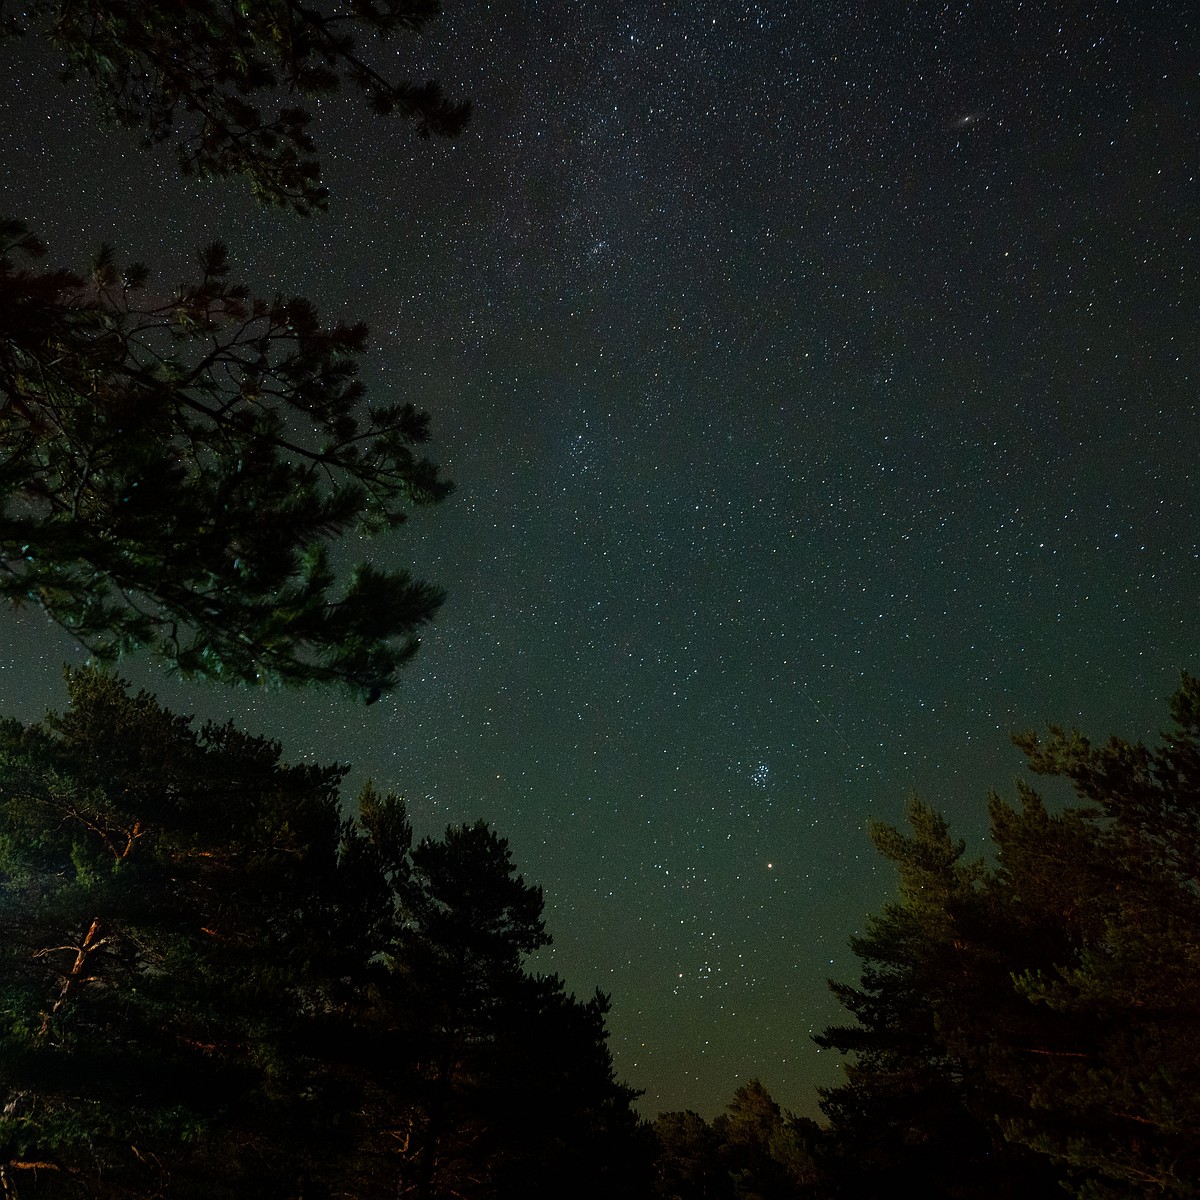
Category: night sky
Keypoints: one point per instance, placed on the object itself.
(820, 384)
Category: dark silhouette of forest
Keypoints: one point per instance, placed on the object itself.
(1022, 1025)
(215, 981)
(217, 978)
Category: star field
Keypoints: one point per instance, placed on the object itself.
(820, 384)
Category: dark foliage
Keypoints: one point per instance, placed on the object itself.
(752, 1151)
(223, 80)
(212, 984)
(1110, 1085)
(177, 468)
(913, 1112)
(165, 932)
(495, 1083)
(1037, 1022)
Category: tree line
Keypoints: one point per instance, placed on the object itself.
(1024, 1026)
(215, 980)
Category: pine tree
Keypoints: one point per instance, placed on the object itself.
(1038, 1018)
(495, 1082)
(176, 471)
(198, 74)
(915, 1113)
(688, 1165)
(214, 984)
(164, 912)
(1114, 1092)
(762, 1148)
(751, 1151)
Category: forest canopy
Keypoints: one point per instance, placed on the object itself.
(1026, 1026)
(213, 982)
(176, 470)
(221, 81)
(180, 464)
(1036, 1019)
(210, 974)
